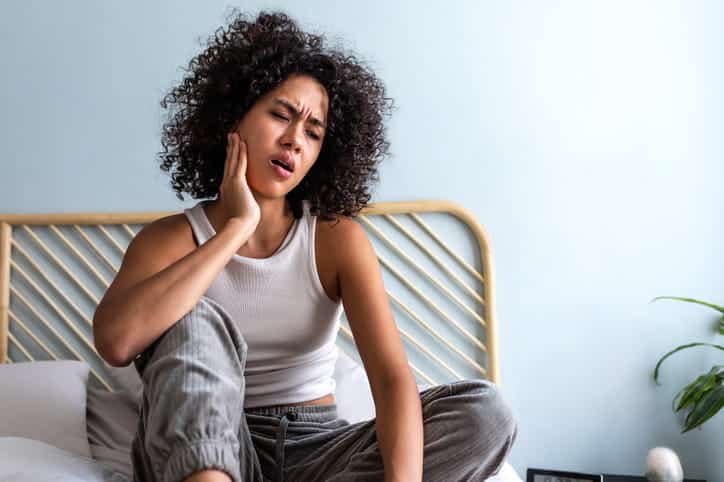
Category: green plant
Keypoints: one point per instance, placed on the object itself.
(703, 397)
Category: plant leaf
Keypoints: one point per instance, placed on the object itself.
(685, 396)
(707, 407)
(691, 393)
(679, 348)
(689, 300)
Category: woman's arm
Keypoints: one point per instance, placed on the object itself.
(160, 281)
(154, 288)
(394, 389)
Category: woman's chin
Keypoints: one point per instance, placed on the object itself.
(270, 190)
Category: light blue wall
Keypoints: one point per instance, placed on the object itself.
(585, 136)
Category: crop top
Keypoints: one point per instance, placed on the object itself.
(286, 318)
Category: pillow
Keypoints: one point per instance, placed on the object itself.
(126, 380)
(353, 393)
(45, 401)
(112, 418)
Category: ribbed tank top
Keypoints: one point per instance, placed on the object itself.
(287, 320)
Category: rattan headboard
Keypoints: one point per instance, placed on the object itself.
(54, 269)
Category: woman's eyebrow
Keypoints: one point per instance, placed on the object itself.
(293, 109)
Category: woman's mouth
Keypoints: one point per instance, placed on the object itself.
(281, 169)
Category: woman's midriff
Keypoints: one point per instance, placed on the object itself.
(325, 400)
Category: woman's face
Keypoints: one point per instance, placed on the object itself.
(288, 125)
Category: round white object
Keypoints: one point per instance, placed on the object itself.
(663, 465)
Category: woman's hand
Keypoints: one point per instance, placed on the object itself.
(235, 198)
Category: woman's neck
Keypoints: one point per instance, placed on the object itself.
(274, 223)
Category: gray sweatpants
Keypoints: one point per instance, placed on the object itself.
(193, 417)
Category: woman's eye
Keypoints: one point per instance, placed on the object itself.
(311, 133)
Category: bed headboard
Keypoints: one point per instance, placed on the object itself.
(435, 257)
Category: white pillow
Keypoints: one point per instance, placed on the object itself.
(353, 393)
(46, 401)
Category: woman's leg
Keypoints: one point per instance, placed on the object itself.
(468, 432)
(192, 408)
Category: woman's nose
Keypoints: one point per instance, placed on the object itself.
(293, 135)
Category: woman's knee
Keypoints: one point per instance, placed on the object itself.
(209, 323)
(484, 411)
(467, 421)
(203, 348)
(205, 331)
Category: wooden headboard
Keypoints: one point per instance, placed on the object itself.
(435, 258)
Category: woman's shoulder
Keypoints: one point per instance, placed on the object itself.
(156, 246)
(336, 238)
(171, 233)
(328, 237)
(343, 251)
(331, 232)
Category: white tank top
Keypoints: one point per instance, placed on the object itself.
(287, 320)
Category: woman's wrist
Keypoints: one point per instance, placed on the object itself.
(241, 227)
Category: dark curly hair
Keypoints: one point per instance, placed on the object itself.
(239, 65)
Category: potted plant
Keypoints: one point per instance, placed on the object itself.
(704, 396)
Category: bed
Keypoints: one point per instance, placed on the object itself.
(68, 415)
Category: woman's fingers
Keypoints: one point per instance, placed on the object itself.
(227, 161)
(242, 159)
(234, 153)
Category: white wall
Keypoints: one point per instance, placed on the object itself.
(586, 136)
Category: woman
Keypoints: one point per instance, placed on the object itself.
(230, 310)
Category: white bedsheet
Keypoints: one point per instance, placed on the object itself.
(507, 474)
(26, 460)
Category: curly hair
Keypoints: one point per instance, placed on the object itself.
(238, 66)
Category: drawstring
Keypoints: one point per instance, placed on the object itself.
(281, 436)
